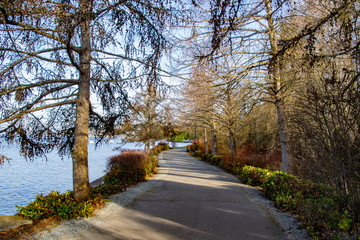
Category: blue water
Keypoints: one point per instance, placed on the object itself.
(21, 180)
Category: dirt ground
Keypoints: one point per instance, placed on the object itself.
(27, 230)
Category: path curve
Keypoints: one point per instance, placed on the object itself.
(189, 199)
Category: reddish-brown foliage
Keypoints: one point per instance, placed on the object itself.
(129, 160)
(247, 156)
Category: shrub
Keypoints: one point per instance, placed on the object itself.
(120, 175)
(201, 148)
(130, 160)
(233, 161)
(129, 167)
(162, 146)
(216, 160)
(153, 163)
(156, 150)
(247, 156)
(206, 157)
(61, 205)
(252, 175)
(191, 148)
(259, 161)
(213, 160)
(108, 188)
(196, 153)
(319, 207)
(272, 159)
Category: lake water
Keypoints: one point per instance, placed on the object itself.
(21, 180)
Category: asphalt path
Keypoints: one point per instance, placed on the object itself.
(192, 200)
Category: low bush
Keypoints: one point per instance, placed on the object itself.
(162, 146)
(152, 166)
(216, 160)
(213, 160)
(321, 210)
(247, 156)
(128, 168)
(61, 205)
(196, 153)
(252, 175)
(233, 161)
(199, 147)
(112, 186)
(190, 148)
(206, 157)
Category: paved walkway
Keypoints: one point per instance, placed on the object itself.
(189, 199)
(192, 201)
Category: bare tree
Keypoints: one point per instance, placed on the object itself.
(252, 31)
(325, 112)
(144, 121)
(199, 102)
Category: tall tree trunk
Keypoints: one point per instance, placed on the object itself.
(147, 146)
(287, 163)
(275, 74)
(150, 111)
(195, 141)
(205, 141)
(213, 140)
(232, 141)
(148, 130)
(230, 115)
(80, 153)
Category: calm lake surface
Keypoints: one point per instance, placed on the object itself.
(21, 180)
